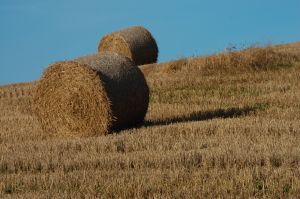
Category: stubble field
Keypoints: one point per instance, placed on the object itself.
(224, 126)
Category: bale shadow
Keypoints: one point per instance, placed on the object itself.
(208, 115)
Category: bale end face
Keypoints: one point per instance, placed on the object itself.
(114, 43)
(71, 99)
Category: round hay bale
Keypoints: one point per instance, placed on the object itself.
(91, 95)
(135, 42)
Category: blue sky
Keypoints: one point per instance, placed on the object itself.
(36, 33)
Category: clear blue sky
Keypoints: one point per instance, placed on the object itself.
(35, 33)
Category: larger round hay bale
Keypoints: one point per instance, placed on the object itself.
(91, 95)
(135, 42)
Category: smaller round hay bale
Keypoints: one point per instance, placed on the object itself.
(135, 42)
(91, 95)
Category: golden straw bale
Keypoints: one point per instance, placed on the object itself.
(135, 42)
(91, 95)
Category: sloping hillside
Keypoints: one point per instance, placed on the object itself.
(226, 125)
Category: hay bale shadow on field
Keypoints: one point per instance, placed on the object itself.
(208, 115)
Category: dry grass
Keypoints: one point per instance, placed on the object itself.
(231, 61)
(291, 48)
(16, 98)
(209, 133)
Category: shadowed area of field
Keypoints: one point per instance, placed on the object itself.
(207, 115)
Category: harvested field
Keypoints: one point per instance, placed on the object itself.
(233, 61)
(210, 132)
(17, 90)
(16, 98)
